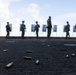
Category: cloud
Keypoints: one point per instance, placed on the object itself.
(16, 0)
(68, 15)
(22, 11)
(5, 13)
(34, 11)
(61, 19)
(48, 6)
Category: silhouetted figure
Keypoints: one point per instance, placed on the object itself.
(67, 30)
(8, 29)
(49, 27)
(37, 28)
(23, 27)
(75, 26)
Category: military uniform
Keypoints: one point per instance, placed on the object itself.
(49, 27)
(67, 31)
(37, 29)
(8, 29)
(23, 30)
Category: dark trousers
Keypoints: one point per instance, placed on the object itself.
(23, 32)
(7, 36)
(48, 32)
(37, 33)
(67, 34)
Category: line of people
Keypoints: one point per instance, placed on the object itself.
(37, 26)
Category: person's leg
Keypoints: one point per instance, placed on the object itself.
(48, 33)
(22, 35)
(7, 36)
(66, 35)
(69, 35)
(37, 34)
(8, 33)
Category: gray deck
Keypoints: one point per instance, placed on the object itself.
(51, 54)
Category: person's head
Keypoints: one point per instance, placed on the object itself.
(36, 22)
(7, 23)
(50, 17)
(23, 22)
(67, 22)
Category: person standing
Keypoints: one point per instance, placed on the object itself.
(8, 29)
(67, 29)
(37, 26)
(49, 27)
(23, 27)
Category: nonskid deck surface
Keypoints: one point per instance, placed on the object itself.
(52, 56)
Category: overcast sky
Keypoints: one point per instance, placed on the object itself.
(14, 11)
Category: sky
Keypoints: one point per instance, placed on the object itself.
(14, 11)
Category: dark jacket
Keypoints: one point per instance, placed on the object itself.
(8, 28)
(37, 27)
(49, 24)
(23, 27)
(67, 28)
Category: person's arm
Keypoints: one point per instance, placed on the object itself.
(39, 26)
